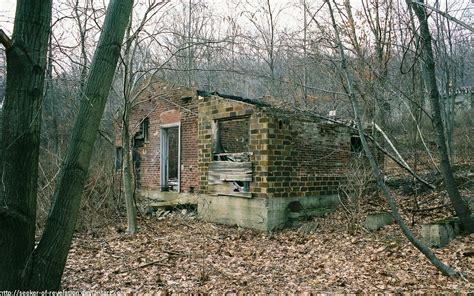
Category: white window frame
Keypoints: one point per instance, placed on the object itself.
(164, 165)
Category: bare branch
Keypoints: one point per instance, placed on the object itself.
(446, 15)
(5, 40)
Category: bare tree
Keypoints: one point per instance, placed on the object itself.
(265, 19)
(375, 170)
(460, 206)
(41, 268)
(137, 74)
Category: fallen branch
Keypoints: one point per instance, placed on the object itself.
(446, 15)
(173, 253)
(400, 158)
(409, 170)
(384, 135)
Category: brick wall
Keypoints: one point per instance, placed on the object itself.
(234, 135)
(211, 110)
(167, 104)
(306, 158)
(290, 157)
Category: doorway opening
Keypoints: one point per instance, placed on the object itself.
(170, 154)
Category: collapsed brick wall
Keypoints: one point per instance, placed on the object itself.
(166, 104)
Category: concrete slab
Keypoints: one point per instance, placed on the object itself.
(375, 221)
(440, 233)
(264, 214)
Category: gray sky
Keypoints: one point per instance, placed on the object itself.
(7, 9)
(7, 12)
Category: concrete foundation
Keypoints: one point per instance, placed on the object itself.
(264, 214)
(158, 195)
(375, 221)
(439, 234)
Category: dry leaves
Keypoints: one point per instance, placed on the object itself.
(182, 254)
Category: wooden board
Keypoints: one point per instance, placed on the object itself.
(227, 171)
(223, 174)
(227, 189)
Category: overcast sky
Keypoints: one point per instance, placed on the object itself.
(7, 12)
(7, 9)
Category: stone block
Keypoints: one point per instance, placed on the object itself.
(440, 233)
(376, 221)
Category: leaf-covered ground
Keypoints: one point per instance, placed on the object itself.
(179, 253)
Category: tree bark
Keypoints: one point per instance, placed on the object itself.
(460, 206)
(19, 149)
(49, 258)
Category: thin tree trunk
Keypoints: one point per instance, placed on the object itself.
(19, 152)
(127, 174)
(460, 206)
(49, 258)
(127, 171)
(446, 270)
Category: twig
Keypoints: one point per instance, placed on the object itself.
(187, 225)
(173, 253)
(141, 266)
(446, 15)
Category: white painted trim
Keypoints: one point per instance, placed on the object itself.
(163, 142)
(168, 125)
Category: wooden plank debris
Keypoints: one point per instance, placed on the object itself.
(227, 171)
(225, 177)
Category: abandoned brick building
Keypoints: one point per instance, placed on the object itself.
(245, 160)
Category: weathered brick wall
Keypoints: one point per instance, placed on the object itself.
(306, 158)
(291, 157)
(234, 135)
(166, 104)
(321, 148)
(211, 110)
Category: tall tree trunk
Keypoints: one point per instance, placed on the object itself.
(49, 258)
(26, 64)
(460, 206)
(446, 270)
(127, 165)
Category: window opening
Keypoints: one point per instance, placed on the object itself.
(118, 158)
(137, 162)
(231, 139)
(230, 173)
(143, 133)
(356, 144)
